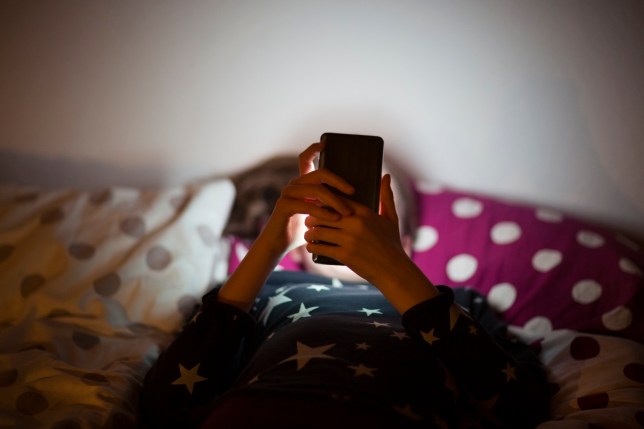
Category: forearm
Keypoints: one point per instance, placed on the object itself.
(404, 284)
(246, 281)
(307, 194)
(507, 382)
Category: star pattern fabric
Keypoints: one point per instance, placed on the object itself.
(438, 365)
(429, 337)
(302, 312)
(401, 335)
(380, 324)
(370, 311)
(510, 372)
(361, 369)
(273, 302)
(189, 377)
(305, 354)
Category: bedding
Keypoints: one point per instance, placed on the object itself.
(94, 284)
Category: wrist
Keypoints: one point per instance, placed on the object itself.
(273, 240)
(245, 282)
(406, 286)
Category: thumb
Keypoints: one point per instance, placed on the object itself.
(387, 206)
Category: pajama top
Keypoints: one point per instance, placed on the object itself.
(447, 362)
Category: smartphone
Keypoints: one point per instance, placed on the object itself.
(358, 160)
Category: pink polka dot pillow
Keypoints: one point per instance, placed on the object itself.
(239, 248)
(541, 269)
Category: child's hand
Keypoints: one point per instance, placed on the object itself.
(366, 242)
(370, 245)
(307, 195)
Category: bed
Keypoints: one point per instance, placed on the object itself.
(96, 283)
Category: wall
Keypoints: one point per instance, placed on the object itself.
(537, 100)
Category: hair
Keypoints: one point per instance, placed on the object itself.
(259, 188)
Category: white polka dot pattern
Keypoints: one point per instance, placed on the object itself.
(586, 291)
(546, 259)
(426, 238)
(618, 318)
(467, 207)
(461, 267)
(539, 325)
(628, 266)
(505, 232)
(540, 268)
(549, 215)
(502, 296)
(590, 239)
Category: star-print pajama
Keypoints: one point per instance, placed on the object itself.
(314, 352)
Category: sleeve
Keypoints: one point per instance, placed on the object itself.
(503, 379)
(198, 366)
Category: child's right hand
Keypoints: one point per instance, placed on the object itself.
(306, 195)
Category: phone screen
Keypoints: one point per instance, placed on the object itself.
(358, 160)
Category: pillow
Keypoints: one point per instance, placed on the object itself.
(597, 381)
(538, 267)
(121, 256)
(93, 285)
(239, 248)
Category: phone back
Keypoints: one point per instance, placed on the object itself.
(358, 160)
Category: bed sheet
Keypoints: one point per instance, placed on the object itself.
(92, 285)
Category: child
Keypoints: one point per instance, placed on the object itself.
(374, 343)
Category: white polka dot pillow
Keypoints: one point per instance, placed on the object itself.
(539, 268)
(92, 285)
(595, 379)
(122, 256)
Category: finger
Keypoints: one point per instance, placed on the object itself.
(341, 222)
(321, 233)
(322, 249)
(307, 157)
(312, 221)
(298, 206)
(327, 177)
(387, 204)
(319, 194)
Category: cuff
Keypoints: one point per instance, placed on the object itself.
(429, 313)
(224, 315)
